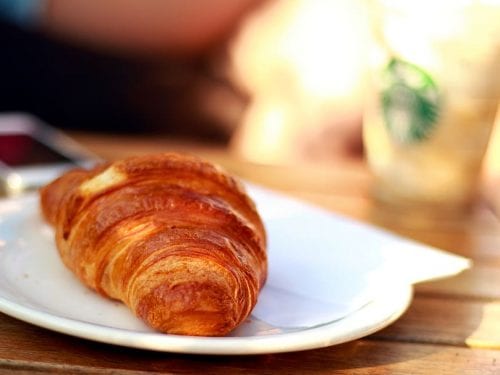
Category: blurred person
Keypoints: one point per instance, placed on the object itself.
(119, 65)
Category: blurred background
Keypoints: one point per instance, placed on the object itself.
(277, 81)
(303, 65)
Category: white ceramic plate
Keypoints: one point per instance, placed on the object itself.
(35, 287)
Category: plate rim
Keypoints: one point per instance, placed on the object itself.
(387, 308)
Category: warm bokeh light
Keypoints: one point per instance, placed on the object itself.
(302, 62)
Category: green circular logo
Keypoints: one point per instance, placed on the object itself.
(410, 101)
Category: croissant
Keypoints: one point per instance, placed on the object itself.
(172, 236)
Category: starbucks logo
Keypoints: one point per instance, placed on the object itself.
(410, 101)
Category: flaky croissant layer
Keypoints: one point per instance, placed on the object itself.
(174, 237)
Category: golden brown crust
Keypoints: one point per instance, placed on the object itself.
(174, 237)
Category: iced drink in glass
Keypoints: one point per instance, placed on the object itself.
(434, 95)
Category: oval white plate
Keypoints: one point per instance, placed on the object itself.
(35, 287)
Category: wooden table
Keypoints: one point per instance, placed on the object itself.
(451, 327)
